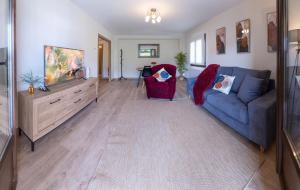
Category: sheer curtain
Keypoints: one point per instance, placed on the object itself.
(197, 51)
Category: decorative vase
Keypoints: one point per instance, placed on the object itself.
(31, 89)
(181, 77)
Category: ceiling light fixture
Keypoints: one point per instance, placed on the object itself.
(154, 16)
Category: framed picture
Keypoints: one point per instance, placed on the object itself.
(243, 36)
(149, 51)
(272, 31)
(221, 40)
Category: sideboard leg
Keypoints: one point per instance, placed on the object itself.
(32, 146)
(20, 131)
(96, 100)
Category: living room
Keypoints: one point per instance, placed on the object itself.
(189, 94)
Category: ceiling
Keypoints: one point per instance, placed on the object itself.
(126, 17)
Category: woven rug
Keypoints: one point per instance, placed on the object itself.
(163, 145)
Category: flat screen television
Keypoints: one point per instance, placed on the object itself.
(61, 64)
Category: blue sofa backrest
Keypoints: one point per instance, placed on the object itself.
(241, 73)
(272, 85)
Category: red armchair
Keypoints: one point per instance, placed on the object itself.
(164, 90)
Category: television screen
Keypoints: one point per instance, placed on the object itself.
(61, 64)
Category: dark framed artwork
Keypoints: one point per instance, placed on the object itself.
(221, 40)
(272, 32)
(243, 32)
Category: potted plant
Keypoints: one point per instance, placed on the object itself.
(181, 63)
(28, 78)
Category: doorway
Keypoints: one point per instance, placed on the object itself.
(104, 58)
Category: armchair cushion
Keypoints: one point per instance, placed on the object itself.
(162, 75)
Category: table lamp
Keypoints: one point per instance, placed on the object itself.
(294, 37)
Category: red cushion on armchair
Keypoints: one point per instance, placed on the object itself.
(164, 90)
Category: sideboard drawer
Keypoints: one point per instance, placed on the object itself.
(46, 111)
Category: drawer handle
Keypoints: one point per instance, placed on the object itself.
(77, 101)
(92, 85)
(77, 91)
(58, 100)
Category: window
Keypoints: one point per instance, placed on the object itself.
(199, 56)
(197, 52)
(193, 53)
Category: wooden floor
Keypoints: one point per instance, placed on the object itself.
(69, 157)
(3, 141)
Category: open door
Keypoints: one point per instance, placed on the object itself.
(100, 58)
(104, 58)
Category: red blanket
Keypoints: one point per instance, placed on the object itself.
(204, 81)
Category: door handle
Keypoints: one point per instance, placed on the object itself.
(58, 100)
(77, 101)
(77, 91)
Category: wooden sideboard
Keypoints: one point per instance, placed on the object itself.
(44, 111)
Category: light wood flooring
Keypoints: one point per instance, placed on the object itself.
(3, 141)
(102, 147)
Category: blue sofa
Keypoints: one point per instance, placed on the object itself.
(255, 120)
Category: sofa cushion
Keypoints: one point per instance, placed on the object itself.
(241, 73)
(225, 71)
(230, 104)
(251, 89)
(224, 83)
(209, 92)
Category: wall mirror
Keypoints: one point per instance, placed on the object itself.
(149, 51)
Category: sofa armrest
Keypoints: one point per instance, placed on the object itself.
(262, 119)
(190, 86)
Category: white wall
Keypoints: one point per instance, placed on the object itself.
(169, 47)
(58, 23)
(259, 58)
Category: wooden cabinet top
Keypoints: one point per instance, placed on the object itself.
(56, 88)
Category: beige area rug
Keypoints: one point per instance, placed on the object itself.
(163, 145)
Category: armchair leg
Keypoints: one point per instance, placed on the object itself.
(171, 99)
